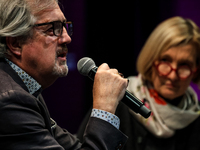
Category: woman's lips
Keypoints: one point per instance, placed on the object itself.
(170, 85)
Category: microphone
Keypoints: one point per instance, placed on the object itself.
(87, 67)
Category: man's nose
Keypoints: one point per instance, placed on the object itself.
(65, 38)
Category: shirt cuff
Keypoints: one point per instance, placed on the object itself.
(104, 115)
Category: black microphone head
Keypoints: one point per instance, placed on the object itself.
(84, 65)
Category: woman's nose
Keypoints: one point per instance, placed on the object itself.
(173, 75)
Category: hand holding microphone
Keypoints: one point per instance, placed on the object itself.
(109, 88)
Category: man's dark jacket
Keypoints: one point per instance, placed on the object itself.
(25, 122)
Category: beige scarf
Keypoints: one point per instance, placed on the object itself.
(165, 118)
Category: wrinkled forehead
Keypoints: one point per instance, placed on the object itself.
(48, 12)
(51, 15)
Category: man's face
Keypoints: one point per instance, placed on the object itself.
(44, 56)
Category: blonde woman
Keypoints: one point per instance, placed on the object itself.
(167, 64)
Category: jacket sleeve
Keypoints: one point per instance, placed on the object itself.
(118, 141)
(23, 127)
(99, 135)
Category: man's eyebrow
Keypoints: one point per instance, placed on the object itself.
(48, 20)
(43, 21)
(61, 19)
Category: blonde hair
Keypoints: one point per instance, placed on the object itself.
(172, 32)
(17, 18)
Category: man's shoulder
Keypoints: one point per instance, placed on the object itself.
(7, 83)
(5, 80)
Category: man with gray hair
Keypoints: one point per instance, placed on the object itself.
(33, 39)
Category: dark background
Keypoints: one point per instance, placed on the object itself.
(111, 32)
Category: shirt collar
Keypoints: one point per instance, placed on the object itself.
(31, 84)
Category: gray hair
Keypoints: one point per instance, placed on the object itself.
(17, 18)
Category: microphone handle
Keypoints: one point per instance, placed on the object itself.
(92, 73)
(135, 104)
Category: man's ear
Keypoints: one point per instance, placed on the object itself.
(14, 45)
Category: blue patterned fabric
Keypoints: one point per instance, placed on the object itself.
(30, 83)
(111, 118)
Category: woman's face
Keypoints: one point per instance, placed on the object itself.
(171, 86)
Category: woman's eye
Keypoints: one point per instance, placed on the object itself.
(164, 60)
(186, 64)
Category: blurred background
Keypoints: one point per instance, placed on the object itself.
(112, 32)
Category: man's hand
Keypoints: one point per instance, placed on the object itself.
(109, 88)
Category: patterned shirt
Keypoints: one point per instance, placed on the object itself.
(34, 86)
(30, 83)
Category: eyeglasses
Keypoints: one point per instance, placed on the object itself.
(58, 27)
(183, 72)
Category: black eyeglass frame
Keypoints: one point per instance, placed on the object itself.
(172, 69)
(69, 28)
